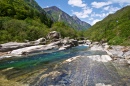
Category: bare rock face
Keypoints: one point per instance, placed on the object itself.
(54, 35)
(65, 40)
(12, 45)
(40, 41)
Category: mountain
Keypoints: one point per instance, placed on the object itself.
(22, 20)
(115, 28)
(28, 8)
(73, 21)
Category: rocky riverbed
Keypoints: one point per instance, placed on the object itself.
(64, 62)
(78, 66)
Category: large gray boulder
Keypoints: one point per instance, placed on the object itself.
(12, 45)
(73, 42)
(65, 40)
(53, 35)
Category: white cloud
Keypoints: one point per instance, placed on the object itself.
(91, 18)
(111, 9)
(102, 15)
(106, 8)
(120, 1)
(100, 4)
(85, 10)
(78, 3)
(95, 21)
(84, 13)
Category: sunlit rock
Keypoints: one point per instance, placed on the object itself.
(102, 58)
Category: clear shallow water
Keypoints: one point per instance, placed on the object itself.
(45, 57)
(47, 68)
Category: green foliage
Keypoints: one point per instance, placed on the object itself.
(115, 28)
(22, 9)
(66, 31)
(19, 30)
(22, 20)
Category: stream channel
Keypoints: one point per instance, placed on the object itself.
(50, 68)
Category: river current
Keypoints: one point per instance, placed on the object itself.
(50, 68)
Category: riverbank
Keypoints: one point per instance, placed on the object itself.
(80, 65)
(118, 53)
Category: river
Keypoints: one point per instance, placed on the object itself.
(51, 68)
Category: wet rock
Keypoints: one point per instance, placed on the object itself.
(71, 59)
(64, 47)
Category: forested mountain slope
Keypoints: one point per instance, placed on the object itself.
(22, 20)
(115, 28)
(72, 21)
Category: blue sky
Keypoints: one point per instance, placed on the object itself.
(90, 11)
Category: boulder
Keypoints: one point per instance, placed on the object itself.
(88, 42)
(54, 35)
(13, 45)
(128, 61)
(127, 54)
(65, 40)
(40, 41)
(73, 42)
(26, 50)
(64, 47)
(81, 42)
(33, 49)
(97, 47)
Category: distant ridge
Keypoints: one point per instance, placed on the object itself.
(73, 21)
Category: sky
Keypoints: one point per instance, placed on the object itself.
(90, 11)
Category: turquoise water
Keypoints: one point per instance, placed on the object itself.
(43, 58)
(47, 68)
